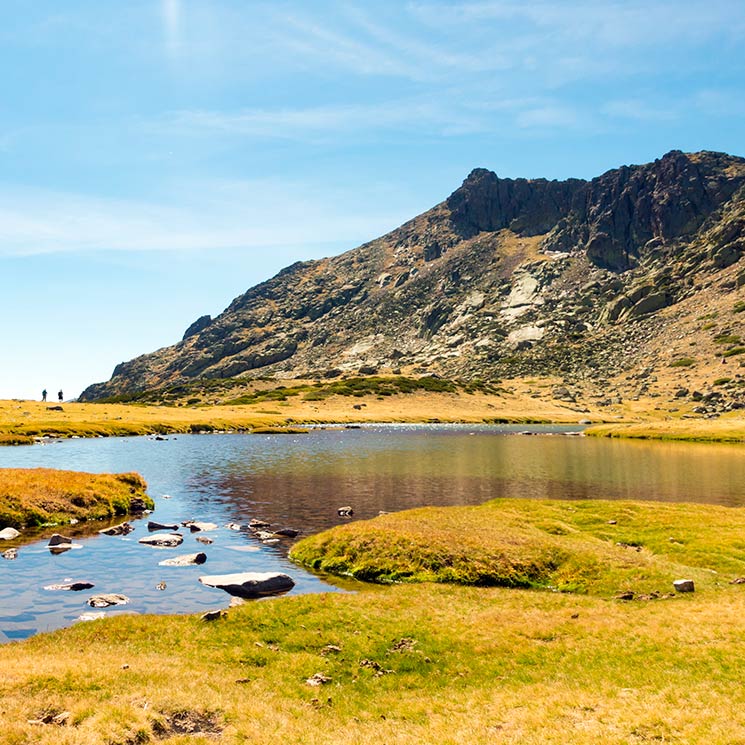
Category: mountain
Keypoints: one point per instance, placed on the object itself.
(584, 280)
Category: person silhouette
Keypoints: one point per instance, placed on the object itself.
(44, 395)
(59, 396)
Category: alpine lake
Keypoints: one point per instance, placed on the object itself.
(300, 482)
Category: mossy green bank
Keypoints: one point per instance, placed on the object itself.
(597, 547)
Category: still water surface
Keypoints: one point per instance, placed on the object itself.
(300, 481)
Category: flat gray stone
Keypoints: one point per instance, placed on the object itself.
(184, 561)
(121, 529)
(196, 526)
(59, 540)
(59, 544)
(104, 601)
(152, 525)
(684, 585)
(250, 584)
(163, 541)
(73, 586)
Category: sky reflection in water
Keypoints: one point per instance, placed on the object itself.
(300, 481)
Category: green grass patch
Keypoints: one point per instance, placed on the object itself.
(727, 338)
(734, 351)
(683, 362)
(570, 546)
(225, 390)
(739, 306)
(428, 662)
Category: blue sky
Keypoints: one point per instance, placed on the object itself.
(159, 157)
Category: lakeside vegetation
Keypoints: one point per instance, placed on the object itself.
(265, 406)
(725, 429)
(425, 662)
(239, 391)
(32, 497)
(395, 399)
(593, 546)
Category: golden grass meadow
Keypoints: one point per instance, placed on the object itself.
(428, 661)
(497, 623)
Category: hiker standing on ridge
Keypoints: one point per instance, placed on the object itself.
(44, 395)
(59, 396)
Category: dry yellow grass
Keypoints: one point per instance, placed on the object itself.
(90, 420)
(41, 496)
(726, 429)
(518, 401)
(415, 664)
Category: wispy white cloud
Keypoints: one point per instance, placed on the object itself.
(640, 110)
(720, 103)
(327, 122)
(631, 23)
(247, 215)
(171, 12)
(454, 114)
(552, 116)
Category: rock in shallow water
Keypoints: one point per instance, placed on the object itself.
(121, 529)
(8, 534)
(60, 543)
(250, 584)
(152, 525)
(162, 541)
(73, 586)
(184, 561)
(103, 601)
(195, 526)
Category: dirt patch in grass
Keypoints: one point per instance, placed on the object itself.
(187, 722)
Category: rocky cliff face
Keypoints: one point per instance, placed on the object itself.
(505, 277)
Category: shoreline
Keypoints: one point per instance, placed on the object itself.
(35, 501)
(26, 422)
(420, 660)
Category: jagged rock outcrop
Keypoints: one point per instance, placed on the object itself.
(199, 325)
(506, 276)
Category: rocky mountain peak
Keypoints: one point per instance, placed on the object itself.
(506, 276)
